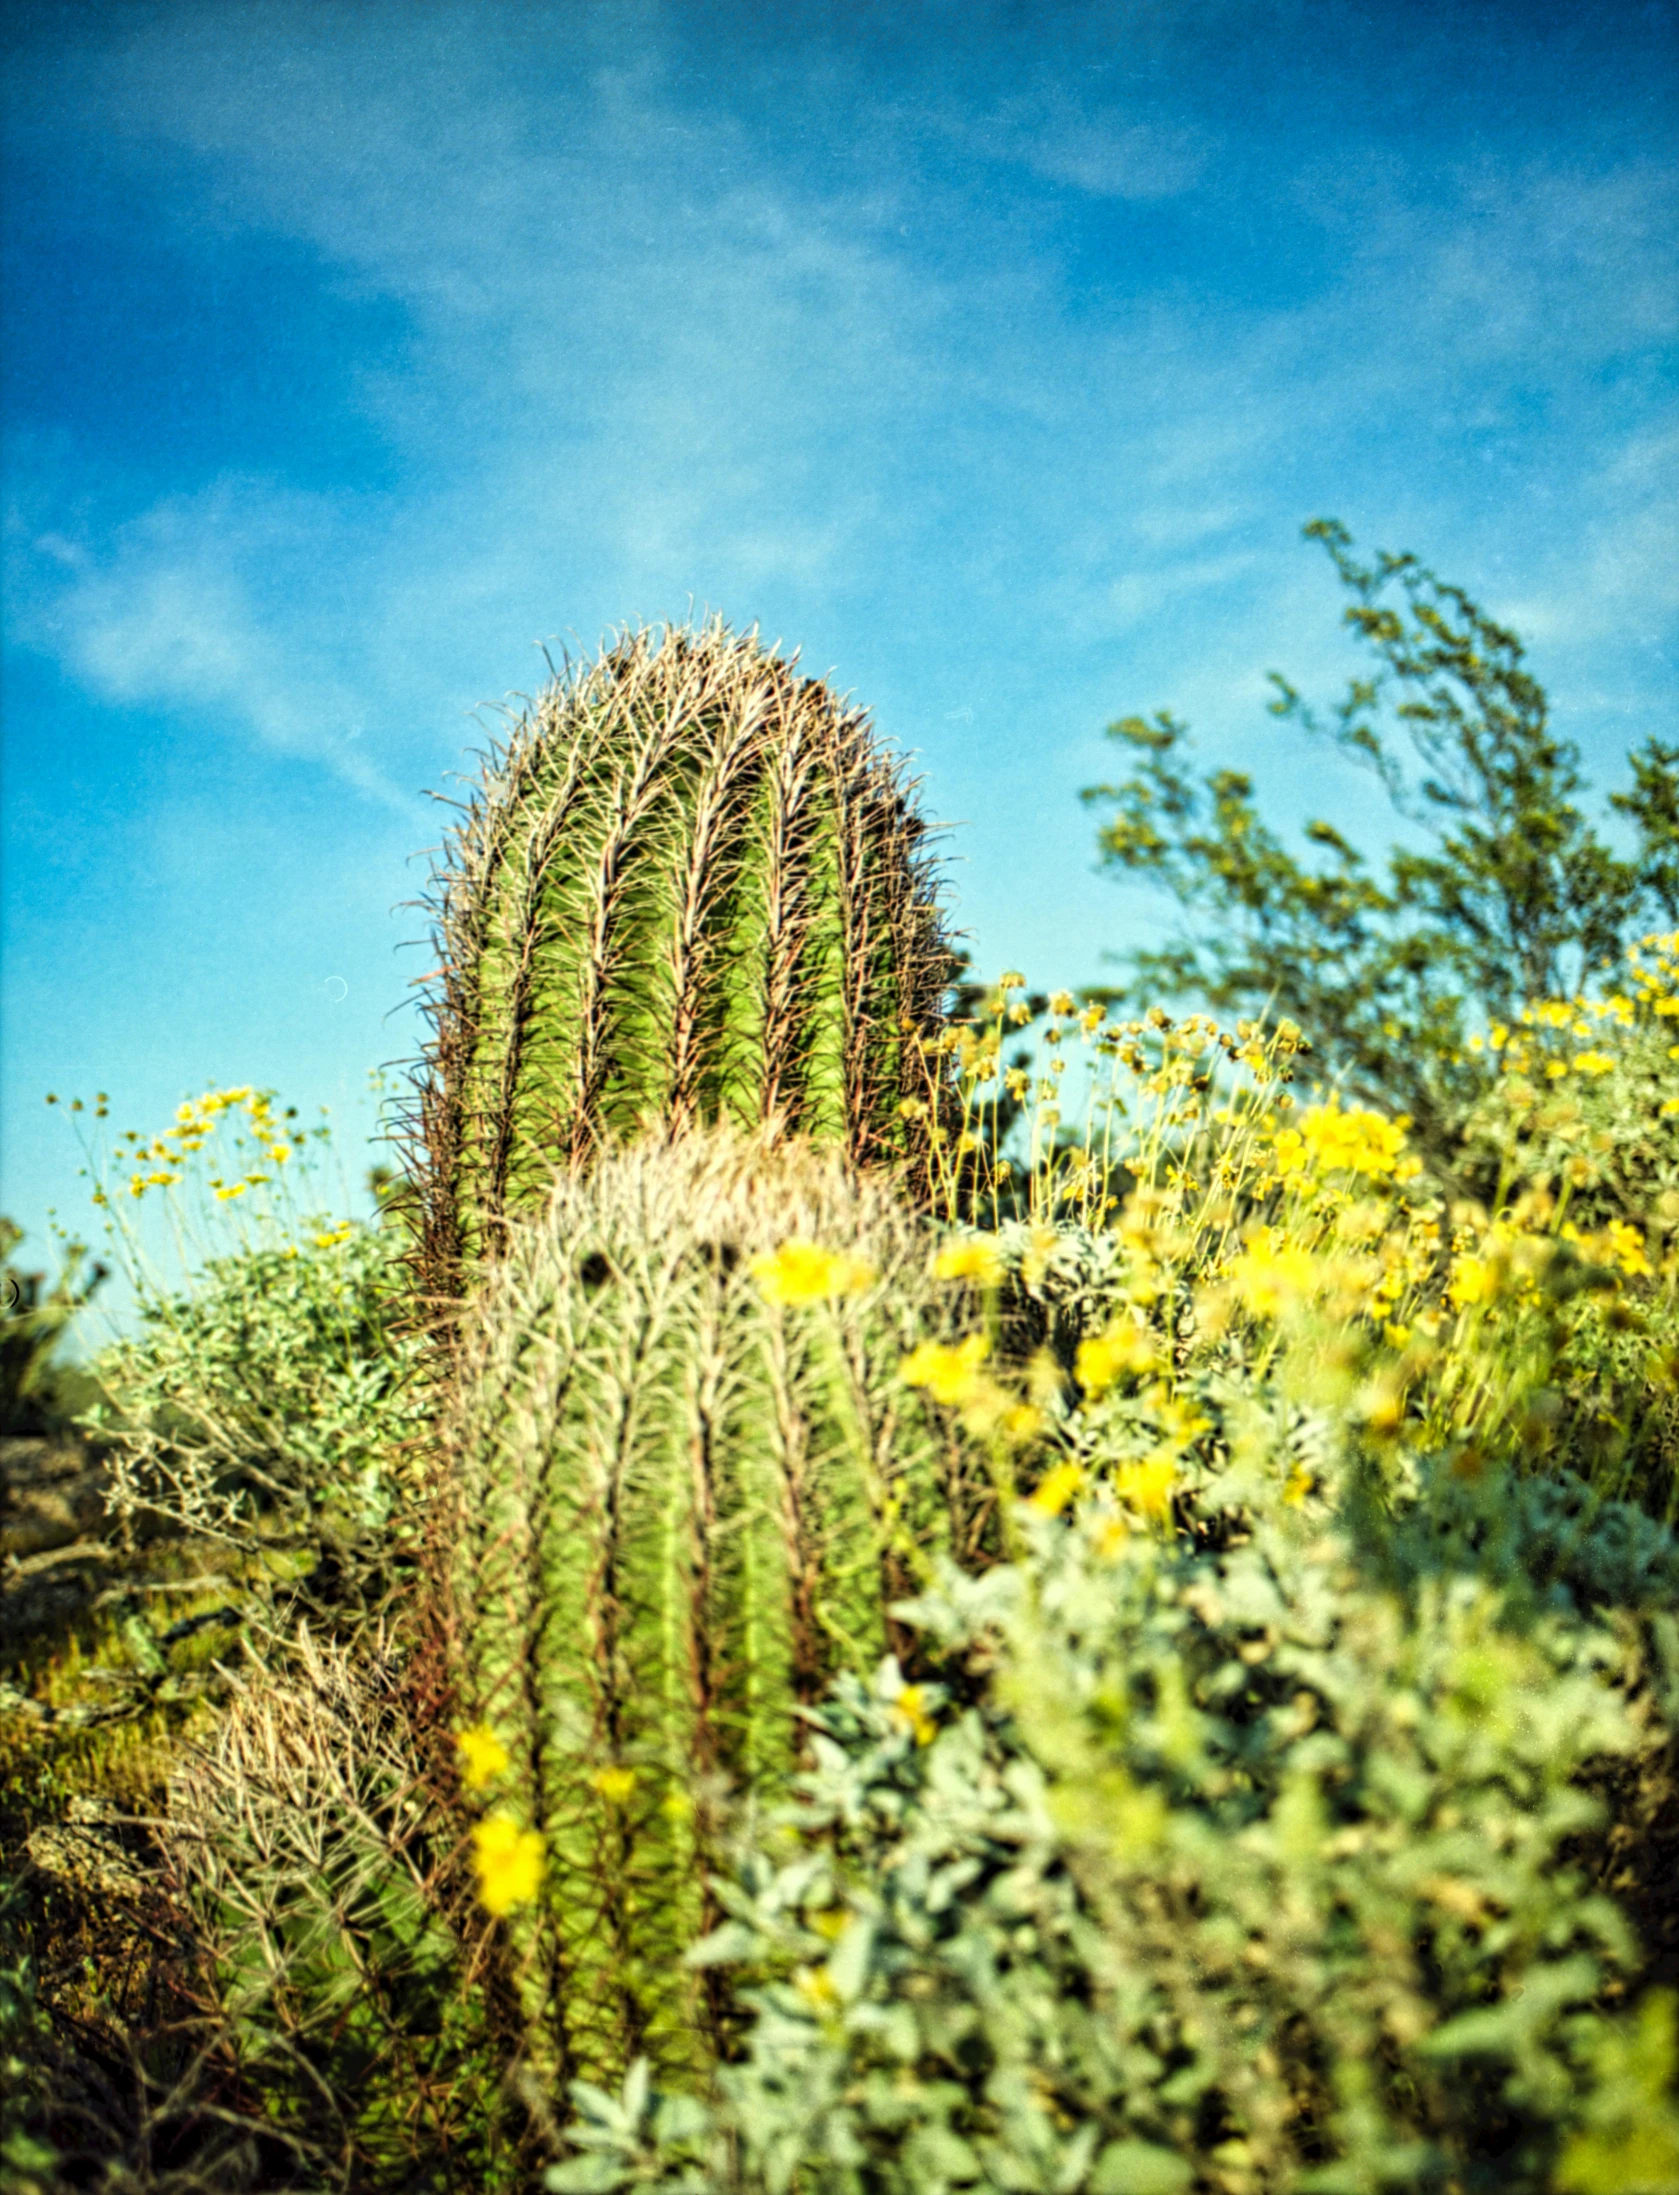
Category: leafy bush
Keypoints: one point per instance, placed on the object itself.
(1505, 890)
(1243, 1872)
(284, 1387)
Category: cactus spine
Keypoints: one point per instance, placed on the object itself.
(690, 888)
(681, 1510)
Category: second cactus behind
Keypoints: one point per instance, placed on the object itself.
(690, 1484)
(692, 888)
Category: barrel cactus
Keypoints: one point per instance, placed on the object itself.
(688, 1487)
(690, 887)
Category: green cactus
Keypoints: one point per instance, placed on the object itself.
(681, 1508)
(315, 1863)
(691, 887)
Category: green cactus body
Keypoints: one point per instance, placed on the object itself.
(682, 1508)
(691, 888)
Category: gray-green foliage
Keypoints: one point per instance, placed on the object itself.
(317, 1866)
(1248, 1872)
(284, 1386)
(1545, 1542)
(680, 1508)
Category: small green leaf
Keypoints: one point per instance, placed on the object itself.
(587, 2176)
(1139, 2168)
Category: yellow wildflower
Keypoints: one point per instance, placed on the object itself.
(614, 1784)
(508, 1863)
(1593, 1063)
(1147, 1485)
(977, 1259)
(483, 1756)
(814, 1984)
(1123, 1346)
(1474, 1280)
(803, 1272)
(1625, 1248)
(950, 1375)
(1057, 1488)
(910, 1708)
(1022, 1421)
(1357, 1142)
(1271, 1277)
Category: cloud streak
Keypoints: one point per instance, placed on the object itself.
(659, 352)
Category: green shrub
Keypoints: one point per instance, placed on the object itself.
(1244, 1872)
(279, 1396)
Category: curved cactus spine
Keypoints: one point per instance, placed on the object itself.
(682, 1508)
(691, 887)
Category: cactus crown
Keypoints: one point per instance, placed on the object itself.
(691, 887)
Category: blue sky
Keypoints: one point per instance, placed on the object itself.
(991, 355)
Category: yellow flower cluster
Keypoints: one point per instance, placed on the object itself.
(1123, 1346)
(1508, 1262)
(1329, 1140)
(1618, 1245)
(507, 1860)
(483, 1757)
(1057, 1487)
(973, 1257)
(954, 1374)
(910, 1711)
(160, 1162)
(803, 1272)
(950, 1373)
(508, 1863)
(1273, 1275)
(1653, 977)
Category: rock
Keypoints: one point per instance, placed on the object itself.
(51, 1495)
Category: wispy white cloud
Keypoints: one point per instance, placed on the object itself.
(658, 353)
(1108, 153)
(162, 614)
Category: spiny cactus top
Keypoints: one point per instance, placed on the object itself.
(685, 1492)
(691, 887)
